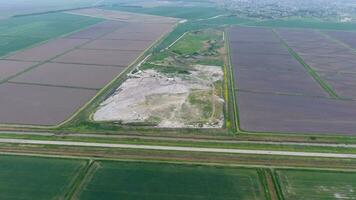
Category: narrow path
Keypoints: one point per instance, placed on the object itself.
(175, 148)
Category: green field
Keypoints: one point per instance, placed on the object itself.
(193, 43)
(305, 23)
(143, 181)
(321, 185)
(22, 32)
(36, 178)
(189, 44)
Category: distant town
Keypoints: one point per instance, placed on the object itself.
(342, 11)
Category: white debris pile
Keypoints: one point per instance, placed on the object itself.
(149, 94)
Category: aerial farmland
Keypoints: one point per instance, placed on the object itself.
(85, 55)
(285, 82)
(181, 100)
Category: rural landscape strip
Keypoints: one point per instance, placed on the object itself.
(6, 134)
(176, 148)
